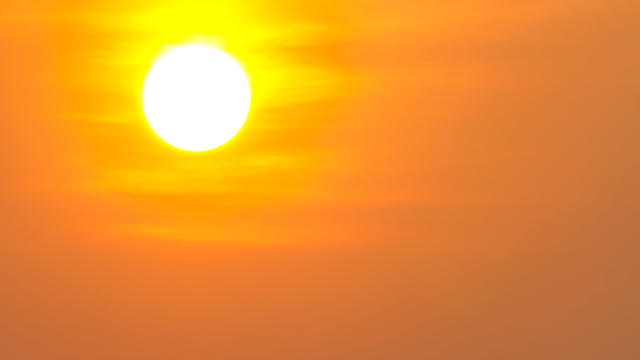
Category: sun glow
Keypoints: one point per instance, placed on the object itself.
(196, 97)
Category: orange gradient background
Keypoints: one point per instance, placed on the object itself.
(416, 180)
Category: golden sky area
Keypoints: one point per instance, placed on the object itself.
(415, 180)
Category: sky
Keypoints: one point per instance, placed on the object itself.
(415, 180)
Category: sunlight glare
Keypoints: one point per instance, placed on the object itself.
(196, 97)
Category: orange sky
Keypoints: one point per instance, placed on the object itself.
(416, 180)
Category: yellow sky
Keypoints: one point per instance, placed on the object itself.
(416, 179)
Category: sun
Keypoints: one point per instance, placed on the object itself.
(196, 97)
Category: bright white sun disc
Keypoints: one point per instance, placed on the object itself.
(196, 97)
